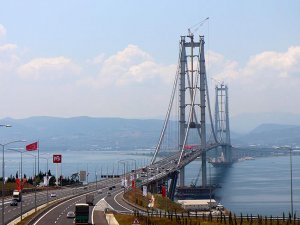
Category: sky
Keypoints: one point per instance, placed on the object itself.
(118, 58)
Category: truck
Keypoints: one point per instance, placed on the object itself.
(17, 195)
(82, 213)
(89, 199)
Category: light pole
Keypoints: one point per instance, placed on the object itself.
(3, 174)
(122, 162)
(47, 173)
(21, 177)
(135, 178)
(291, 175)
(34, 177)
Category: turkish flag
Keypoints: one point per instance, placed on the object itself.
(32, 146)
(18, 184)
(163, 191)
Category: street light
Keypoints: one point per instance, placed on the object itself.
(47, 178)
(34, 178)
(135, 178)
(3, 183)
(122, 162)
(21, 177)
(291, 175)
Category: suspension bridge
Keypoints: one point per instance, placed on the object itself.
(190, 129)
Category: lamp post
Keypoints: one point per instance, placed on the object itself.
(135, 178)
(291, 175)
(3, 182)
(34, 178)
(47, 178)
(21, 177)
(122, 162)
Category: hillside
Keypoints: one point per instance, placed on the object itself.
(89, 133)
(271, 134)
(84, 132)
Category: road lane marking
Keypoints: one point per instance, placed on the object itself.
(119, 203)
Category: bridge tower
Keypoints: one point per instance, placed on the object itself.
(222, 128)
(192, 97)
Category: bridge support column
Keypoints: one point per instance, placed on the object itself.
(181, 177)
(204, 174)
(227, 153)
(172, 188)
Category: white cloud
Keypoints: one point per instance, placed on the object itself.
(7, 48)
(220, 68)
(268, 82)
(2, 31)
(48, 68)
(8, 58)
(128, 67)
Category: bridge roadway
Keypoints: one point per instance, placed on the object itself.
(158, 171)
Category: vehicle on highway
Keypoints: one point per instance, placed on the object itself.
(52, 195)
(114, 186)
(82, 213)
(71, 214)
(14, 202)
(17, 195)
(110, 188)
(100, 191)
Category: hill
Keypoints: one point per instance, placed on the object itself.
(84, 132)
(271, 134)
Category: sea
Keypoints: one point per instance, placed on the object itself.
(260, 186)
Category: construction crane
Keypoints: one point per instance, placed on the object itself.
(196, 26)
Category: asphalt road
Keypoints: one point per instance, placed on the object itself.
(58, 214)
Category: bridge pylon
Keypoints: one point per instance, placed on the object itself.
(191, 85)
(222, 128)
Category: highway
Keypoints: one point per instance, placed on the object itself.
(58, 214)
(159, 170)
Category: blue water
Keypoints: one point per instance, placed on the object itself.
(260, 186)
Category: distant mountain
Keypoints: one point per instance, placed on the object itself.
(244, 123)
(87, 133)
(84, 132)
(271, 134)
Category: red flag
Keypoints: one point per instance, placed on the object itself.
(18, 184)
(32, 146)
(133, 183)
(163, 191)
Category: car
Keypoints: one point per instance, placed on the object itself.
(100, 191)
(108, 193)
(114, 186)
(70, 214)
(110, 188)
(52, 195)
(14, 202)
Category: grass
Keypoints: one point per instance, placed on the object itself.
(136, 196)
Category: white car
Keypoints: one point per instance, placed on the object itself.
(53, 195)
(70, 214)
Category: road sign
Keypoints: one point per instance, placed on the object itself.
(82, 176)
(57, 158)
(136, 222)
